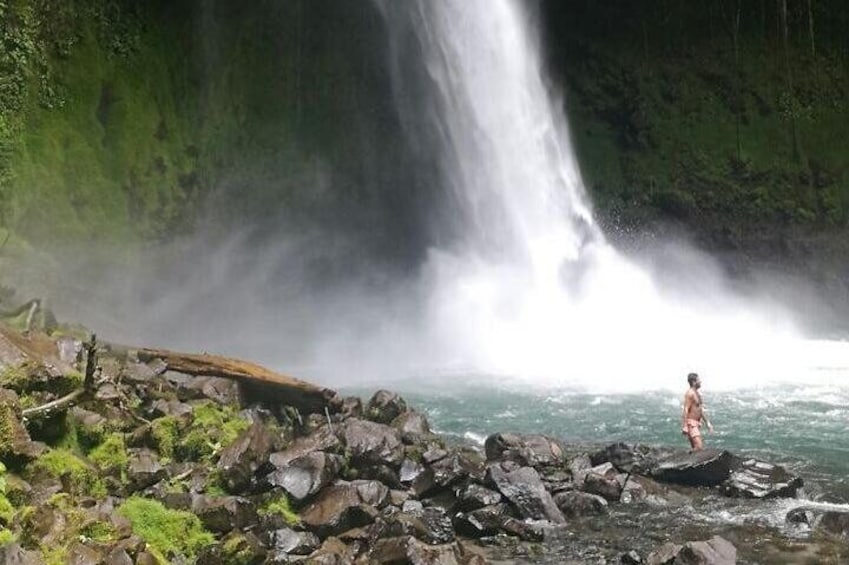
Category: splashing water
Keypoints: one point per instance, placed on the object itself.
(529, 287)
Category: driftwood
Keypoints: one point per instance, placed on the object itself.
(74, 397)
(256, 381)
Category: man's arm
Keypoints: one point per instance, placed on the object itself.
(688, 401)
(705, 418)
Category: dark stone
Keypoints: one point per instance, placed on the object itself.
(336, 509)
(410, 470)
(352, 407)
(456, 467)
(602, 481)
(627, 458)
(575, 504)
(412, 425)
(430, 525)
(14, 554)
(222, 514)
(289, 541)
(234, 548)
(240, 460)
(16, 446)
(835, 523)
(174, 408)
(526, 450)
(664, 555)
(321, 439)
(306, 475)
(383, 473)
(143, 469)
(373, 443)
(757, 479)
(800, 515)
(523, 487)
(579, 466)
(715, 551)
(384, 407)
(407, 549)
(373, 493)
(81, 554)
(491, 520)
(708, 468)
(474, 496)
(631, 558)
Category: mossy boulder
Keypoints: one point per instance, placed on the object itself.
(170, 534)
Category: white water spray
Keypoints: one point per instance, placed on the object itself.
(531, 288)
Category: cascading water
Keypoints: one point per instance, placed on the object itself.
(525, 283)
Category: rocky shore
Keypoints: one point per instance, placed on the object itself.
(174, 458)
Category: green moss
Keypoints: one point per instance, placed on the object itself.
(111, 455)
(213, 428)
(7, 511)
(280, 506)
(54, 555)
(170, 533)
(237, 550)
(60, 463)
(165, 432)
(7, 537)
(14, 378)
(98, 531)
(7, 427)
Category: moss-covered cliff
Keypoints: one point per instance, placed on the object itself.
(708, 114)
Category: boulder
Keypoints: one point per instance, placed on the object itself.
(603, 485)
(492, 520)
(306, 475)
(222, 514)
(412, 426)
(523, 487)
(143, 469)
(430, 525)
(474, 496)
(525, 449)
(407, 549)
(631, 558)
(336, 509)
(757, 479)
(322, 439)
(240, 460)
(373, 443)
(574, 504)
(627, 458)
(351, 407)
(715, 551)
(709, 467)
(16, 446)
(384, 406)
(835, 523)
(14, 554)
(373, 493)
(175, 408)
(286, 540)
(457, 467)
(579, 466)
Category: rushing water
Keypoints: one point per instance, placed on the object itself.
(596, 346)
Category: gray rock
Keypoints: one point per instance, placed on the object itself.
(143, 469)
(222, 514)
(336, 509)
(835, 523)
(407, 549)
(474, 496)
(240, 460)
(715, 551)
(430, 525)
(289, 541)
(384, 406)
(628, 458)
(373, 443)
(575, 504)
(306, 475)
(412, 426)
(14, 554)
(631, 558)
(351, 407)
(527, 450)
(523, 487)
(708, 467)
(758, 479)
(603, 485)
(321, 439)
(664, 555)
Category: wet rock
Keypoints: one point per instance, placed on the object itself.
(412, 425)
(628, 458)
(631, 558)
(802, 515)
(336, 509)
(383, 473)
(603, 483)
(758, 479)
(175, 408)
(664, 555)
(457, 467)
(305, 476)
(384, 406)
(373, 443)
(474, 496)
(225, 513)
(16, 447)
(715, 551)
(289, 541)
(217, 389)
(373, 493)
(333, 552)
(410, 470)
(445, 499)
(574, 504)
(434, 454)
(351, 407)
(321, 439)
(14, 554)
(407, 549)
(525, 449)
(430, 525)
(632, 490)
(523, 487)
(138, 373)
(709, 467)
(241, 459)
(143, 469)
(579, 466)
(835, 523)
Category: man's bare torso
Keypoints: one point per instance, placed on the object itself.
(694, 411)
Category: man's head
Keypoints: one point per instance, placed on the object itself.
(693, 379)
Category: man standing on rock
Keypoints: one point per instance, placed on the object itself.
(694, 413)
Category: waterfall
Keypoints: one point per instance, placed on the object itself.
(522, 281)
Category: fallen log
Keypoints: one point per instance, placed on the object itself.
(256, 381)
